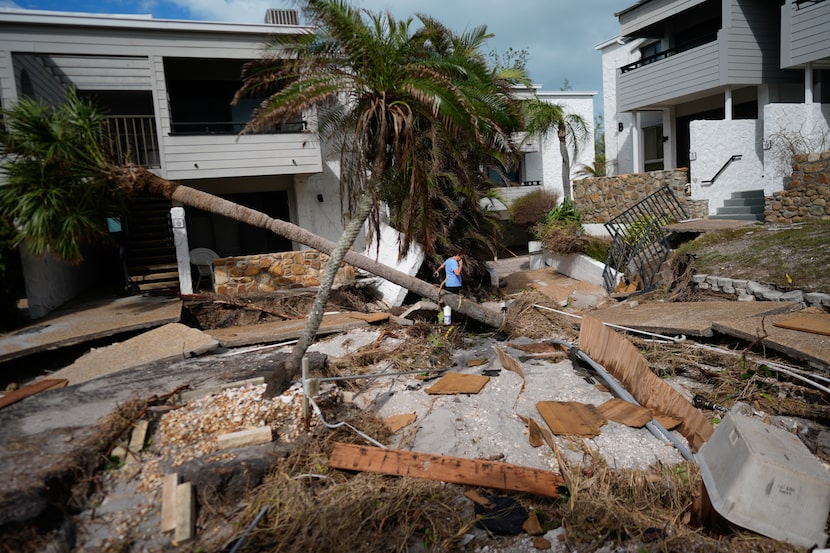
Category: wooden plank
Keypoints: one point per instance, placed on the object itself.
(31, 389)
(571, 417)
(815, 325)
(457, 383)
(669, 423)
(456, 470)
(625, 412)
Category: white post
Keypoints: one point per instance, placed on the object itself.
(636, 153)
(808, 84)
(182, 250)
(727, 104)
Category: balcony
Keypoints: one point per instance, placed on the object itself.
(667, 77)
(133, 139)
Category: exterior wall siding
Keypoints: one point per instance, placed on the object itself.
(749, 43)
(105, 73)
(47, 85)
(804, 32)
(664, 81)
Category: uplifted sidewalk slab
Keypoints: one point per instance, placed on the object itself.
(87, 323)
(267, 333)
(169, 342)
(798, 344)
(689, 318)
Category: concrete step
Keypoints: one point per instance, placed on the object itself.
(739, 216)
(739, 202)
(748, 194)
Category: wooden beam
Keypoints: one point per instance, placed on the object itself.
(31, 389)
(457, 470)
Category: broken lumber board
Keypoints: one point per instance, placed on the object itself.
(626, 364)
(32, 389)
(625, 412)
(456, 470)
(458, 383)
(571, 418)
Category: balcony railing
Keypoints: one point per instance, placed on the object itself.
(233, 127)
(706, 39)
(133, 139)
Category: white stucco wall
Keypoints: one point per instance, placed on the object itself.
(788, 129)
(387, 253)
(546, 163)
(49, 283)
(712, 144)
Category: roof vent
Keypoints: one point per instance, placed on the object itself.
(281, 17)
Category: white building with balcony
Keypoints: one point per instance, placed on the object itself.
(727, 88)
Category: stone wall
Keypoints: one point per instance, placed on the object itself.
(808, 194)
(252, 274)
(600, 199)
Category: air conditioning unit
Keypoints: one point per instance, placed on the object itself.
(281, 17)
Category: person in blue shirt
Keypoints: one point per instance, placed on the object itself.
(453, 267)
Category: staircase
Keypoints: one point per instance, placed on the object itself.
(747, 205)
(149, 252)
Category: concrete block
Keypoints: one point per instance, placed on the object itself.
(817, 299)
(704, 285)
(772, 295)
(697, 279)
(756, 288)
(251, 436)
(739, 283)
(168, 502)
(793, 295)
(746, 297)
(725, 282)
(728, 290)
(712, 279)
(185, 514)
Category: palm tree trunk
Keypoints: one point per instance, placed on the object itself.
(315, 316)
(566, 163)
(134, 179)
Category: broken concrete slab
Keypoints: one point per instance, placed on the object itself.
(804, 346)
(422, 311)
(279, 331)
(688, 318)
(165, 343)
(386, 251)
(90, 322)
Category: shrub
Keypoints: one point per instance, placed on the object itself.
(531, 209)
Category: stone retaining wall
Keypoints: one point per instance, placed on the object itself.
(808, 194)
(600, 199)
(251, 274)
(749, 290)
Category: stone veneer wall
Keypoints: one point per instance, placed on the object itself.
(808, 194)
(251, 274)
(600, 199)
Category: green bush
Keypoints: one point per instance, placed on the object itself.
(531, 209)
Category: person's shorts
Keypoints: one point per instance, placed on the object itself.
(454, 289)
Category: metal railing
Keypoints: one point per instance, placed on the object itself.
(133, 139)
(729, 161)
(233, 127)
(638, 244)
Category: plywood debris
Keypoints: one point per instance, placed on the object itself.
(625, 363)
(510, 363)
(396, 422)
(815, 324)
(458, 383)
(625, 412)
(571, 418)
(456, 470)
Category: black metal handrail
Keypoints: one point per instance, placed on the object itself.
(700, 41)
(729, 161)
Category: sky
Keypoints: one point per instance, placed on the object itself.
(559, 35)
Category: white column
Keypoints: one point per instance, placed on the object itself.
(636, 149)
(808, 84)
(669, 130)
(727, 104)
(182, 250)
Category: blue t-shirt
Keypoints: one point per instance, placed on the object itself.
(453, 280)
